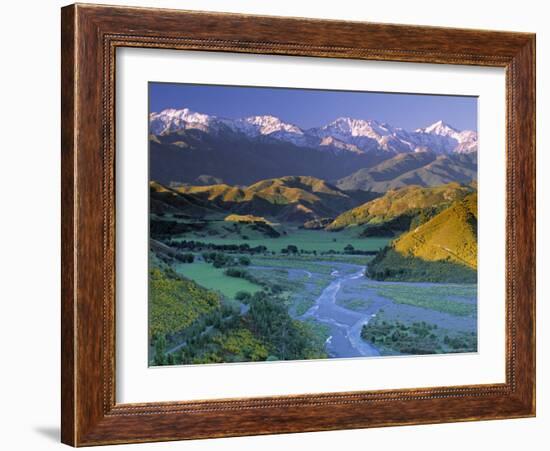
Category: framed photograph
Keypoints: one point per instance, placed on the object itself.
(279, 225)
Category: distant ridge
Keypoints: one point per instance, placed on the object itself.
(191, 147)
(420, 168)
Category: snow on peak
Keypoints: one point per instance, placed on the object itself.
(439, 128)
(450, 139)
(270, 126)
(170, 120)
(342, 134)
(339, 146)
(265, 125)
(347, 126)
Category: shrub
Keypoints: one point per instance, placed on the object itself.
(185, 258)
(235, 272)
(242, 296)
(244, 261)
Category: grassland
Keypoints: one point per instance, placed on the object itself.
(307, 240)
(450, 299)
(214, 279)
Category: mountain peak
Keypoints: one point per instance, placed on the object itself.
(183, 113)
(171, 119)
(348, 126)
(263, 118)
(268, 124)
(344, 134)
(439, 128)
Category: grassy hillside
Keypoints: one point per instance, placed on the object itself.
(163, 199)
(451, 235)
(442, 249)
(290, 199)
(411, 200)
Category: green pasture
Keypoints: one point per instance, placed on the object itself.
(442, 298)
(214, 279)
(307, 240)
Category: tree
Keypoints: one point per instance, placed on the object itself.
(160, 350)
(242, 296)
(244, 261)
(235, 272)
(220, 260)
(186, 258)
(349, 249)
(292, 249)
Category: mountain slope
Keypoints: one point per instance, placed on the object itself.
(467, 139)
(421, 168)
(444, 249)
(451, 235)
(186, 155)
(186, 145)
(163, 199)
(410, 200)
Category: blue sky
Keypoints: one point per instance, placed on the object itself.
(311, 108)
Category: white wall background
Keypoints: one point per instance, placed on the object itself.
(29, 113)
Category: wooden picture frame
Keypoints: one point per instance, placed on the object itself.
(90, 36)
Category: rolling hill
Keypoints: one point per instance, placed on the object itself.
(444, 249)
(406, 202)
(451, 235)
(163, 199)
(290, 199)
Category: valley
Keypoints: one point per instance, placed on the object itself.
(319, 278)
(271, 242)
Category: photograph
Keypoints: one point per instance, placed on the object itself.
(297, 224)
(253, 226)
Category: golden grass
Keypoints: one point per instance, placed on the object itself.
(451, 235)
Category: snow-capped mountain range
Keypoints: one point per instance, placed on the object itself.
(341, 135)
